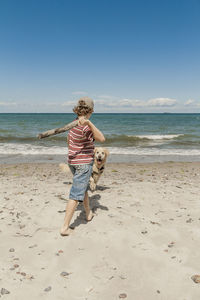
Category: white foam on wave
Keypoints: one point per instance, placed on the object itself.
(158, 136)
(28, 149)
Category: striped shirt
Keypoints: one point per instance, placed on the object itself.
(80, 145)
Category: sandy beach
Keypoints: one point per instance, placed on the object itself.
(143, 242)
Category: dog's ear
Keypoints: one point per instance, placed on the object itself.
(95, 151)
(106, 151)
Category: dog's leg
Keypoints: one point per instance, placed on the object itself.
(92, 184)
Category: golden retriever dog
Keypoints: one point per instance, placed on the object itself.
(100, 156)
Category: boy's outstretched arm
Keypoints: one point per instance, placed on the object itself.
(98, 135)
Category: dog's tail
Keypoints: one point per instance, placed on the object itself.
(64, 168)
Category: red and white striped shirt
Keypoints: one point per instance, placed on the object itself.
(80, 145)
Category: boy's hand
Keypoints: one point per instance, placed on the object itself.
(82, 121)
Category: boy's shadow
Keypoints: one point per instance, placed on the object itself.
(94, 205)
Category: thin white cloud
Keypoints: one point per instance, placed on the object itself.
(100, 102)
(130, 103)
(189, 102)
(112, 103)
(161, 102)
(8, 103)
(105, 103)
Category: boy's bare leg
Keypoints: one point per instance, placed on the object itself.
(89, 213)
(70, 209)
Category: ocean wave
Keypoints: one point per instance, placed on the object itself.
(131, 140)
(10, 138)
(159, 136)
(4, 130)
(109, 137)
(27, 149)
(113, 140)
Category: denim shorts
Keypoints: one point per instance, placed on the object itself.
(81, 181)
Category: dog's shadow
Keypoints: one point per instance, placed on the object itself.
(94, 204)
(102, 188)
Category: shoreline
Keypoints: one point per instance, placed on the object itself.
(112, 158)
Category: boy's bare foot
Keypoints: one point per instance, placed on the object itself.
(89, 216)
(65, 231)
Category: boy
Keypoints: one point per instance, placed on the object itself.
(80, 160)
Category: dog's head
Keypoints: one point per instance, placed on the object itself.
(100, 155)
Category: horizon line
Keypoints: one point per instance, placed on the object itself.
(164, 113)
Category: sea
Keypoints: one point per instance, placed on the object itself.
(130, 137)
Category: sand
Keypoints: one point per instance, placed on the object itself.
(143, 242)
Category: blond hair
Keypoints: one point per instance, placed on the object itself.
(82, 109)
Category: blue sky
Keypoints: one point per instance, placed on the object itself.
(129, 56)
